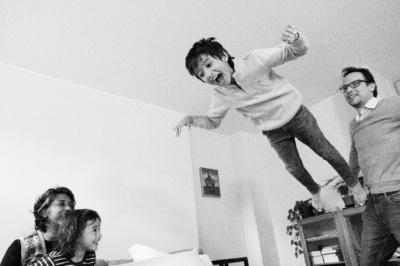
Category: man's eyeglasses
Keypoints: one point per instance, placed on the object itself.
(353, 84)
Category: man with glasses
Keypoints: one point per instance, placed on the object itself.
(375, 150)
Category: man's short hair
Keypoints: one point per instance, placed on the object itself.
(207, 47)
(365, 72)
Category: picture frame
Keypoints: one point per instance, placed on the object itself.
(397, 87)
(209, 182)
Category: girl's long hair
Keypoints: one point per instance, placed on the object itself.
(72, 226)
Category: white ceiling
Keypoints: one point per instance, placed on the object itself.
(136, 48)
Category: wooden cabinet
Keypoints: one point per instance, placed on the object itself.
(341, 228)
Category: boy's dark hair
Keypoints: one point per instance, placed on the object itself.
(207, 47)
(365, 72)
(44, 201)
(71, 228)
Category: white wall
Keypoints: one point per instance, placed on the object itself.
(255, 202)
(273, 190)
(119, 157)
(221, 230)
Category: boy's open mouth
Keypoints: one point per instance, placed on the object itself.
(219, 78)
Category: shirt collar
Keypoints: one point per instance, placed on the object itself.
(370, 105)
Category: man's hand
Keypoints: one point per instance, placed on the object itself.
(316, 201)
(289, 35)
(360, 196)
(186, 121)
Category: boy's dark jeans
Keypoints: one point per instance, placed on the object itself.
(304, 127)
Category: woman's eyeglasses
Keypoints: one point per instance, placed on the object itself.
(353, 84)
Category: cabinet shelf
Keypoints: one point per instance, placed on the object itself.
(330, 263)
(320, 238)
(340, 228)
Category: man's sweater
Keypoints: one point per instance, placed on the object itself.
(376, 147)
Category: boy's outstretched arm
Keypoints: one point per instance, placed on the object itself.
(185, 121)
(211, 120)
(289, 34)
(208, 122)
(295, 45)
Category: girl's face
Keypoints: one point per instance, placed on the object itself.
(57, 207)
(90, 236)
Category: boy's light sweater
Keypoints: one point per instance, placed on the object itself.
(266, 98)
(376, 147)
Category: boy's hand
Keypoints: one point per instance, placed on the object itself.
(186, 121)
(289, 35)
(360, 196)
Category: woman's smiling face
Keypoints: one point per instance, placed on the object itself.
(57, 207)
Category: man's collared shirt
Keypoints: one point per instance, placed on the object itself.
(368, 107)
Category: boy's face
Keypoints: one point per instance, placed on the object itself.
(90, 236)
(214, 71)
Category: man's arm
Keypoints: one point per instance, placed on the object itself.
(360, 196)
(353, 160)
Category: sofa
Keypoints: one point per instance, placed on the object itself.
(146, 256)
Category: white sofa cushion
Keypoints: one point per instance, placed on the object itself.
(206, 259)
(142, 252)
(189, 258)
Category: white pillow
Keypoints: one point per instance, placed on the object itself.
(189, 258)
(206, 259)
(142, 252)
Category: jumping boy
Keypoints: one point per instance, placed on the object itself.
(251, 86)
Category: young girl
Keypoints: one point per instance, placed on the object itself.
(79, 236)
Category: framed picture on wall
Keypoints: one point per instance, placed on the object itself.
(209, 181)
(397, 87)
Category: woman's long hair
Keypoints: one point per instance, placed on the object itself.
(72, 225)
(44, 201)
